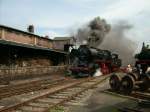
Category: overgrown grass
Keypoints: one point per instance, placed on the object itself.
(57, 109)
(67, 73)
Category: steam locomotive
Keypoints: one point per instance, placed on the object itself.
(138, 78)
(86, 60)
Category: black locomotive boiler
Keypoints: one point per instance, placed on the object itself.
(87, 59)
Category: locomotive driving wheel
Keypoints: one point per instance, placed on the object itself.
(145, 78)
(127, 84)
(114, 82)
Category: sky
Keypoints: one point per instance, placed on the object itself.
(63, 17)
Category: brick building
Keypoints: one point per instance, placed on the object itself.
(20, 48)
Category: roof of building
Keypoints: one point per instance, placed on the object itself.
(4, 42)
(62, 38)
(21, 31)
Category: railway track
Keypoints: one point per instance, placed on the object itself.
(143, 100)
(129, 110)
(141, 95)
(56, 96)
(12, 90)
(136, 95)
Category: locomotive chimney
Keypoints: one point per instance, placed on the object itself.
(30, 29)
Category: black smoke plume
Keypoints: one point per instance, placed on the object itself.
(94, 32)
(99, 34)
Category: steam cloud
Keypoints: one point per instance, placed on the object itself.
(118, 42)
(99, 35)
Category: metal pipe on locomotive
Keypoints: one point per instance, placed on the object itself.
(86, 60)
(139, 77)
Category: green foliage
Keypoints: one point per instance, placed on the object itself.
(67, 73)
(57, 109)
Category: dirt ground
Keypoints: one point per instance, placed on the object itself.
(98, 101)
